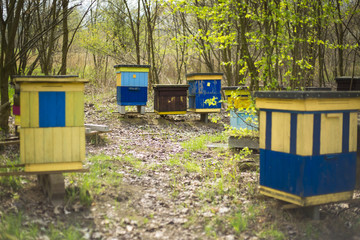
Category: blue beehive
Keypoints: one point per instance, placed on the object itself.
(202, 87)
(132, 86)
(308, 145)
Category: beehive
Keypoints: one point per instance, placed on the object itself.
(131, 85)
(308, 145)
(238, 101)
(170, 99)
(203, 87)
(348, 83)
(52, 134)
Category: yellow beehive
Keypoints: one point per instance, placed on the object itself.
(52, 134)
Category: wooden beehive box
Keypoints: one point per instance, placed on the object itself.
(52, 133)
(308, 145)
(170, 98)
(203, 87)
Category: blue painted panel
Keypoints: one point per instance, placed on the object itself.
(238, 120)
(268, 130)
(208, 86)
(128, 80)
(192, 102)
(192, 88)
(131, 96)
(200, 101)
(293, 133)
(309, 175)
(51, 109)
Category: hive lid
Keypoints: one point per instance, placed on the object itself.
(306, 94)
(50, 78)
(131, 66)
(235, 88)
(199, 74)
(171, 85)
(347, 78)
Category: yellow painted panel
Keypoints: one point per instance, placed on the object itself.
(34, 109)
(304, 133)
(46, 167)
(353, 132)
(131, 69)
(52, 87)
(331, 133)
(69, 109)
(67, 144)
(22, 146)
(25, 109)
(50, 80)
(118, 79)
(58, 144)
(309, 104)
(307, 201)
(17, 120)
(48, 144)
(280, 137)
(205, 110)
(39, 146)
(78, 109)
(29, 139)
(262, 133)
(82, 143)
(75, 140)
(204, 77)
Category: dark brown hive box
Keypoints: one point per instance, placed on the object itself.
(170, 98)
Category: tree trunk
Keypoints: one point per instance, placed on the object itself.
(65, 5)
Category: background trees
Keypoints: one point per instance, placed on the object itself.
(266, 43)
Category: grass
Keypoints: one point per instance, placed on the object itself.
(272, 233)
(16, 226)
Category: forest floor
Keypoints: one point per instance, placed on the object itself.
(155, 177)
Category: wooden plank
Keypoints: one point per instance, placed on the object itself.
(79, 109)
(304, 133)
(44, 79)
(22, 146)
(12, 142)
(69, 109)
(331, 133)
(18, 173)
(49, 145)
(280, 139)
(58, 144)
(353, 130)
(75, 139)
(29, 145)
(51, 87)
(204, 77)
(48, 167)
(25, 109)
(34, 109)
(82, 144)
(96, 127)
(67, 144)
(262, 129)
(39, 145)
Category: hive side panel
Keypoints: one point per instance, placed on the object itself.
(58, 145)
(280, 140)
(331, 133)
(79, 109)
(305, 128)
(262, 133)
(48, 144)
(75, 153)
(34, 109)
(39, 145)
(70, 112)
(25, 109)
(353, 132)
(67, 144)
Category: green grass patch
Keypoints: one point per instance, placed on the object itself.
(272, 233)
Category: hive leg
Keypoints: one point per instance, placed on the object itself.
(204, 117)
(121, 109)
(141, 109)
(53, 186)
